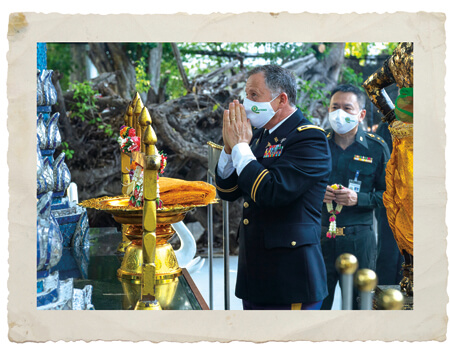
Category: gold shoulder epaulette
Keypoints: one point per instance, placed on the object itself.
(375, 137)
(306, 127)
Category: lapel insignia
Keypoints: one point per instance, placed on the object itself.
(273, 151)
(276, 139)
(362, 158)
(268, 144)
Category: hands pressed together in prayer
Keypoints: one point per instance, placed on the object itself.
(236, 126)
(344, 196)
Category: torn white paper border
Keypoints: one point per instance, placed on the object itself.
(428, 320)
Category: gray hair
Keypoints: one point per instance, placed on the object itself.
(278, 80)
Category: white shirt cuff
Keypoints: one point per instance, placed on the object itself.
(225, 165)
(241, 155)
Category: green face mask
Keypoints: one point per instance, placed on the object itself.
(404, 106)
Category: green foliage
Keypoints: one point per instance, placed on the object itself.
(85, 109)
(314, 92)
(349, 76)
(139, 53)
(108, 130)
(85, 99)
(65, 148)
(142, 81)
(59, 57)
(361, 50)
(389, 47)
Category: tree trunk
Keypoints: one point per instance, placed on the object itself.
(177, 55)
(110, 57)
(154, 72)
(79, 67)
(325, 71)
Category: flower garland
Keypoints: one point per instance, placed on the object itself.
(334, 212)
(136, 186)
(137, 190)
(163, 163)
(128, 140)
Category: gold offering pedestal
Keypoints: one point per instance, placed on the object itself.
(149, 258)
(166, 264)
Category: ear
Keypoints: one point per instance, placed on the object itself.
(363, 115)
(283, 99)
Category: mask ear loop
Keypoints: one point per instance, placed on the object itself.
(273, 100)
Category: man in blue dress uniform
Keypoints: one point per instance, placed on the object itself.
(358, 167)
(281, 169)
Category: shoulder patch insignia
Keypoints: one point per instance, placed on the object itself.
(307, 127)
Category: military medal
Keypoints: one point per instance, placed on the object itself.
(273, 151)
(363, 159)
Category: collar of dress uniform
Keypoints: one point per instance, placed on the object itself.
(281, 122)
(279, 132)
(360, 136)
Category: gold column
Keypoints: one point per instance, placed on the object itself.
(125, 162)
(124, 158)
(152, 163)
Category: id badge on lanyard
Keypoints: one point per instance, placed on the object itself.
(355, 184)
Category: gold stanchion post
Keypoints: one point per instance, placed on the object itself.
(366, 280)
(346, 265)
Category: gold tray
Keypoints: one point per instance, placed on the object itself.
(125, 214)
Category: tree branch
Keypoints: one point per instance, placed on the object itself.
(177, 55)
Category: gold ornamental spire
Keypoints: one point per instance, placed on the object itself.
(136, 112)
(128, 117)
(149, 137)
(135, 99)
(145, 121)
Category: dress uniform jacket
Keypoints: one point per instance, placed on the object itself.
(366, 160)
(280, 259)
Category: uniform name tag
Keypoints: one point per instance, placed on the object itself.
(354, 185)
(273, 151)
(362, 158)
